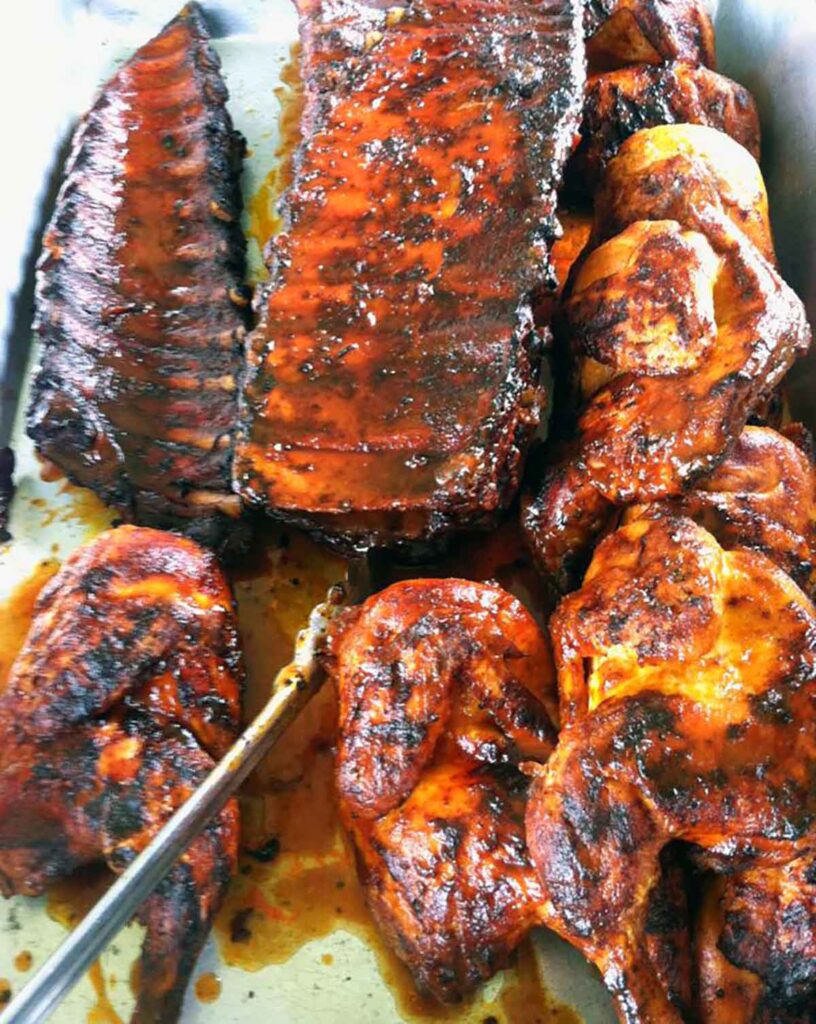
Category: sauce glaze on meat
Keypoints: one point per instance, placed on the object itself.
(138, 304)
(393, 380)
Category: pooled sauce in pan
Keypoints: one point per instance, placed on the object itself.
(15, 614)
(262, 219)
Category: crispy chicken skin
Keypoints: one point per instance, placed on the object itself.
(622, 32)
(679, 324)
(126, 690)
(444, 685)
(138, 312)
(688, 695)
(763, 497)
(756, 946)
(393, 378)
(619, 103)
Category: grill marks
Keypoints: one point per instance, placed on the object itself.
(135, 396)
(392, 384)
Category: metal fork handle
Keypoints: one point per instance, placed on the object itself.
(293, 687)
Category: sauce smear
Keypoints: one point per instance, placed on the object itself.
(16, 612)
(263, 221)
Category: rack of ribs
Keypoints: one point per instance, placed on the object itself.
(393, 379)
(138, 299)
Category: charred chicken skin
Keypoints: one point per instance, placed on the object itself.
(763, 497)
(617, 104)
(756, 946)
(688, 686)
(444, 685)
(623, 32)
(138, 309)
(680, 325)
(393, 379)
(125, 692)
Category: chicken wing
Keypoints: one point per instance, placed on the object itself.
(680, 325)
(444, 685)
(126, 690)
(688, 688)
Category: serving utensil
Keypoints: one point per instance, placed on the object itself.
(292, 689)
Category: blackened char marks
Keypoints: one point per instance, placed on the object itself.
(393, 378)
(138, 302)
(6, 491)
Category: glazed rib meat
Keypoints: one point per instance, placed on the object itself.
(687, 677)
(679, 324)
(393, 378)
(126, 691)
(444, 685)
(138, 282)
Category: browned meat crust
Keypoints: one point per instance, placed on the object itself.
(135, 396)
(6, 491)
(688, 685)
(680, 326)
(621, 32)
(763, 496)
(393, 379)
(126, 691)
(444, 685)
(619, 103)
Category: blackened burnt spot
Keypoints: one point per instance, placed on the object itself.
(772, 707)
(124, 816)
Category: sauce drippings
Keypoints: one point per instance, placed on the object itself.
(67, 902)
(102, 1012)
(16, 612)
(263, 220)
(23, 961)
(207, 988)
(81, 507)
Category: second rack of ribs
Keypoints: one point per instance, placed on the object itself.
(393, 378)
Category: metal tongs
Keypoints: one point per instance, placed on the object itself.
(293, 687)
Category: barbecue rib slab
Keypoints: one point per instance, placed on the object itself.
(138, 302)
(125, 692)
(444, 685)
(392, 385)
(680, 325)
(688, 688)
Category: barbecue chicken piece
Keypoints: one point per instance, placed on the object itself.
(619, 103)
(680, 325)
(125, 692)
(622, 32)
(444, 685)
(756, 946)
(763, 496)
(393, 380)
(138, 309)
(688, 692)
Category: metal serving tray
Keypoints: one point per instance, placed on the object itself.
(57, 52)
